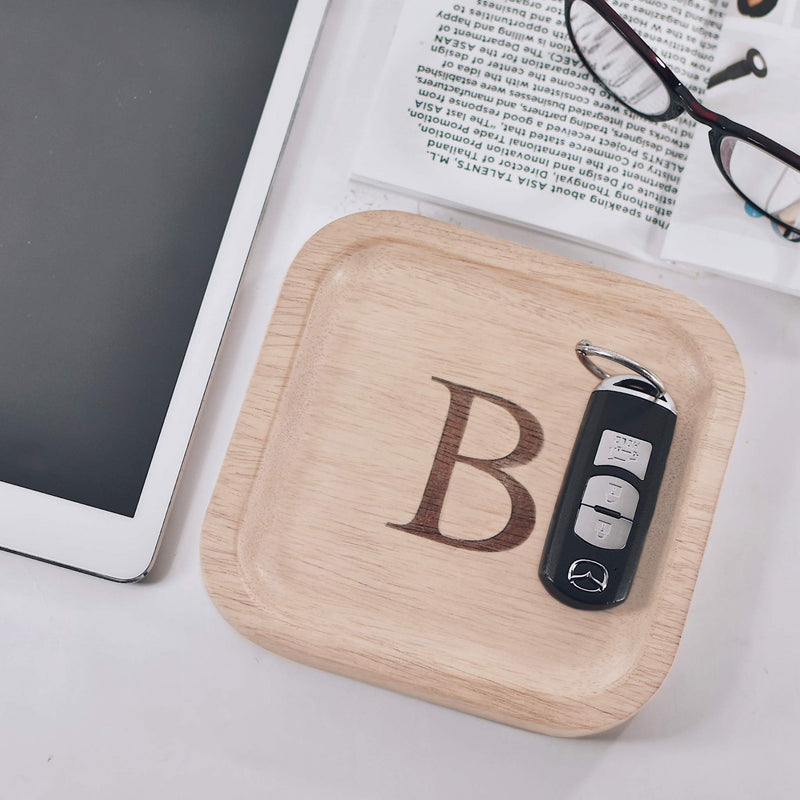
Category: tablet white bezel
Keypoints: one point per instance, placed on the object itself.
(124, 548)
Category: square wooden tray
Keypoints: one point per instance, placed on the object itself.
(380, 315)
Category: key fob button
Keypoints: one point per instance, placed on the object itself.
(602, 530)
(626, 452)
(613, 494)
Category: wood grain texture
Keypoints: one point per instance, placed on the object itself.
(340, 428)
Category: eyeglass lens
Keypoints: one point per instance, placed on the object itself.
(616, 64)
(767, 182)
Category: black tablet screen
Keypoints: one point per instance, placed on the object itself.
(124, 130)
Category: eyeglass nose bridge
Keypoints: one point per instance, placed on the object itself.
(694, 108)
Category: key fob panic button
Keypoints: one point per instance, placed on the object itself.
(623, 451)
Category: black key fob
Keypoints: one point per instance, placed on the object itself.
(609, 493)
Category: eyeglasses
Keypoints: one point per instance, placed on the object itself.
(762, 172)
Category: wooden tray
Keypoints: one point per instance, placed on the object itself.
(341, 426)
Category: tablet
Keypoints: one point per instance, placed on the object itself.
(138, 145)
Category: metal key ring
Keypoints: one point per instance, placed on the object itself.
(584, 349)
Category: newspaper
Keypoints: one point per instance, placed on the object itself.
(485, 105)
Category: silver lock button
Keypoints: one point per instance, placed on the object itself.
(602, 530)
(614, 494)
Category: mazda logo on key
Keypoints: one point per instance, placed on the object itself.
(588, 576)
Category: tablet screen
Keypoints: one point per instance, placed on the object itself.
(124, 131)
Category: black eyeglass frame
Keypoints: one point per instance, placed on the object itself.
(681, 99)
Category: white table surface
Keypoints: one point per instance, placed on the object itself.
(143, 690)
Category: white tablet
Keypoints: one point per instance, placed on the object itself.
(138, 145)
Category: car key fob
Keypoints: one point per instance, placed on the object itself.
(609, 491)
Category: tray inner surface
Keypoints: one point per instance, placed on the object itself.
(341, 427)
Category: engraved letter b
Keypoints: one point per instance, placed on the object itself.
(523, 510)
